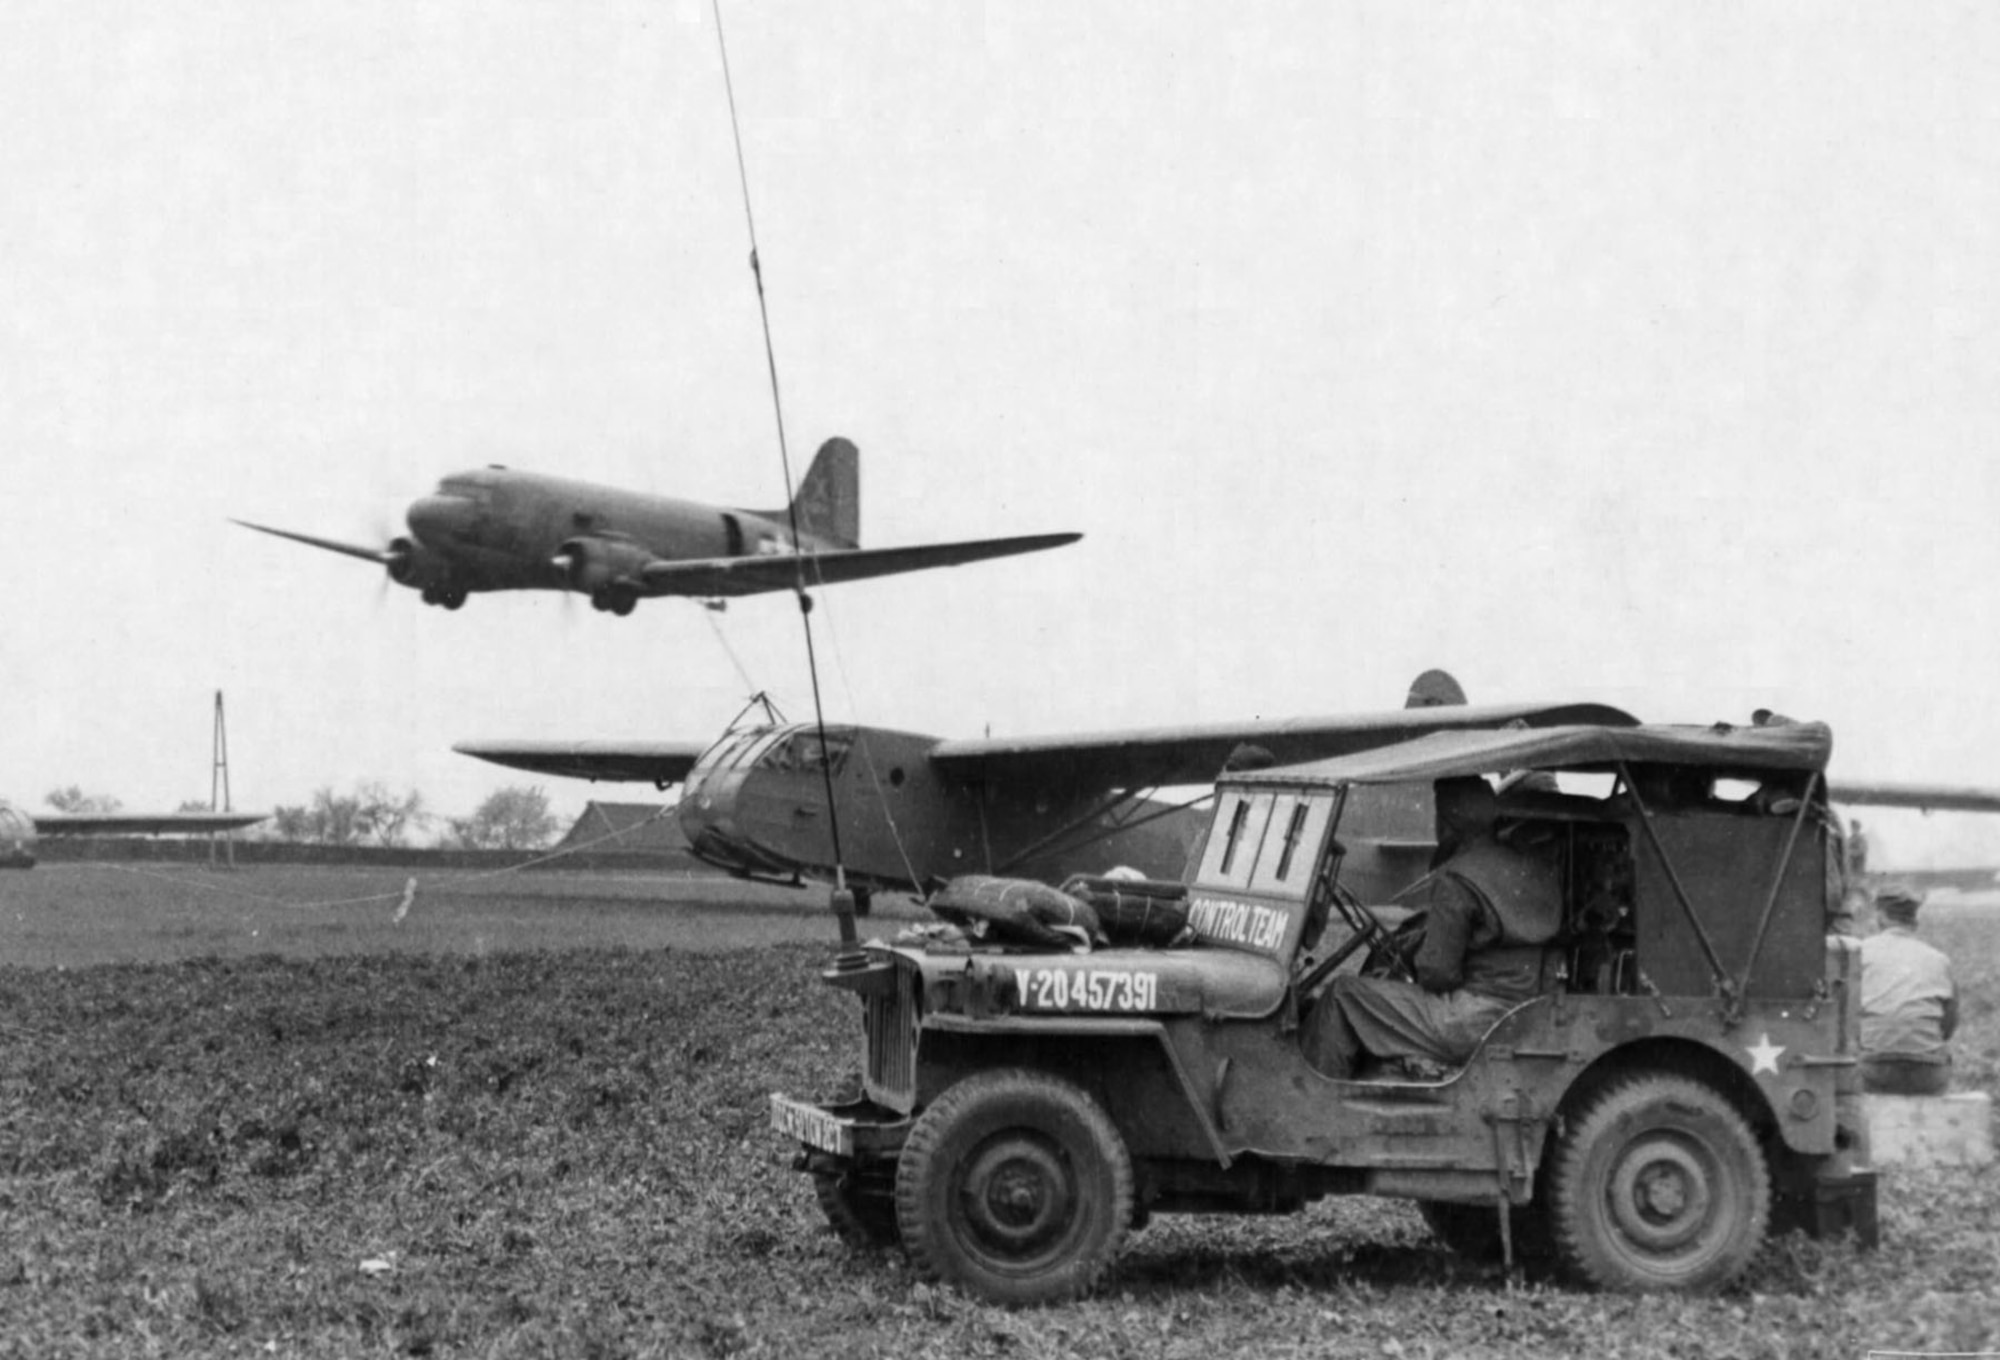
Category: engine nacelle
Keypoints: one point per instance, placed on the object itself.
(412, 564)
(596, 565)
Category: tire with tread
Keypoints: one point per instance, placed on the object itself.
(1016, 1186)
(1659, 1183)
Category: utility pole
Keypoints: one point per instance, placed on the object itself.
(218, 786)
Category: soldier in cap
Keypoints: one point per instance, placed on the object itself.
(1492, 909)
(1909, 1003)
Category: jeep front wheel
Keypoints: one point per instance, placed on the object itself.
(1658, 1184)
(1015, 1185)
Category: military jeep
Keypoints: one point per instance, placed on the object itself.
(1685, 1081)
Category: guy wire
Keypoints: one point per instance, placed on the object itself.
(784, 454)
(749, 685)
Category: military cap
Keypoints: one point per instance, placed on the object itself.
(1896, 902)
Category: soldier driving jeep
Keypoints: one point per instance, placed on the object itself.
(1492, 909)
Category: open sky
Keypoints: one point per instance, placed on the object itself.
(1642, 353)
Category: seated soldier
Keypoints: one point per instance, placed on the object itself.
(1909, 1004)
(1491, 910)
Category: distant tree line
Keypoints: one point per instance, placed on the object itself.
(372, 814)
(75, 800)
(513, 818)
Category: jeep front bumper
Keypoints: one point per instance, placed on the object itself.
(859, 1130)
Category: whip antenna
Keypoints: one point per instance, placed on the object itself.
(791, 501)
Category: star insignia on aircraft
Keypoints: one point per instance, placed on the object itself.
(1764, 1055)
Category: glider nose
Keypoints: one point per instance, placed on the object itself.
(714, 838)
(440, 518)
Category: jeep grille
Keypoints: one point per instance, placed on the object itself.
(891, 1021)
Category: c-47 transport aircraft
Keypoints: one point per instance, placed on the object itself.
(20, 830)
(497, 529)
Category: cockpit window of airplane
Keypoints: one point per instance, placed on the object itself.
(477, 492)
(808, 750)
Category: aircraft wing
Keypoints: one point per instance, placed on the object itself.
(142, 823)
(1928, 880)
(716, 576)
(383, 556)
(659, 763)
(1163, 757)
(1926, 797)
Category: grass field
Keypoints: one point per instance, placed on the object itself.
(529, 1120)
(77, 914)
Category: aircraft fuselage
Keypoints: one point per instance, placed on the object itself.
(757, 804)
(496, 529)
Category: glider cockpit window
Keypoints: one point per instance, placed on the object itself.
(809, 751)
(729, 751)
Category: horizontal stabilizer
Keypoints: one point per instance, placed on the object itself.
(786, 571)
(653, 762)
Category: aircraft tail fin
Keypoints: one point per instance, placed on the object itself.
(1434, 689)
(828, 504)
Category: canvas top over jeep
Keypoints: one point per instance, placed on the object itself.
(1685, 1077)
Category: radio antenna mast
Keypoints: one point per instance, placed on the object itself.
(843, 900)
(218, 785)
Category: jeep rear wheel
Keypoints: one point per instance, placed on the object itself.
(1015, 1185)
(1658, 1184)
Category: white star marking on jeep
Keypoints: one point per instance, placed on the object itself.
(1764, 1055)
